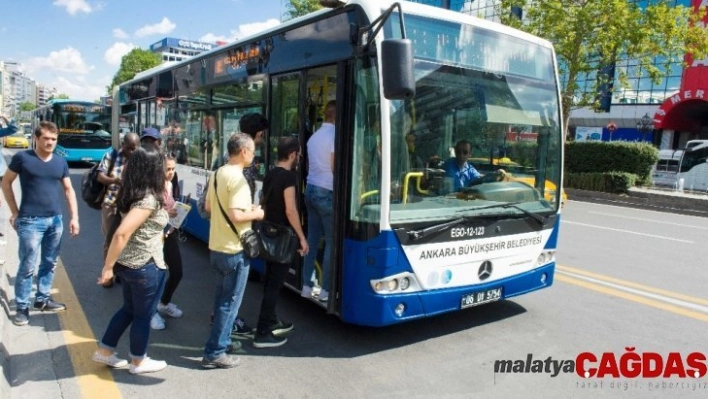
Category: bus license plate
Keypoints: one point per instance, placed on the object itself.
(87, 159)
(478, 298)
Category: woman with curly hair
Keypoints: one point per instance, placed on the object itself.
(136, 256)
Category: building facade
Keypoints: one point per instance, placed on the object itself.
(16, 89)
(173, 50)
(44, 93)
(668, 113)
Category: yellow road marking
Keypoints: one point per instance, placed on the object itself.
(632, 297)
(626, 283)
(95, 380)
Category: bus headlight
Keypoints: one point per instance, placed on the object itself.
(404, 283)
(398, 283)
(545, 258)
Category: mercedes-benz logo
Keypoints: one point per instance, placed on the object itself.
(485, 270)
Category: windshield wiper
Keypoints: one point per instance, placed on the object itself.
(418, 234)
(542, 220)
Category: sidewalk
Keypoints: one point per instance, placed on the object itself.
(30, 349)
(5, 293)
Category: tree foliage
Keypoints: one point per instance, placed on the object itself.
(137, 60)
(27, 106)
(298, 8)
(60, 96)
(590, 34)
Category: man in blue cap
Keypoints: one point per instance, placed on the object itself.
(150, 136)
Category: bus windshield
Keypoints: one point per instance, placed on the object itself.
(483, 128)
(78, 116)
(84, 128)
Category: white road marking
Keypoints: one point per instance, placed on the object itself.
(628, 232)
(649, 220)
(658, 297)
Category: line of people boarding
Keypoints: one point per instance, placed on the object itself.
(138, 253)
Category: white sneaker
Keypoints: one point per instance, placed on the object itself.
(170, 310)
(306, 292)
(324, 296)
(147, 366)
(157, 322)
(112, 360)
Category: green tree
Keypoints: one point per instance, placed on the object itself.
(59, 96)
(588, 34)
(298, 8)
(137, 60)
(27, 106)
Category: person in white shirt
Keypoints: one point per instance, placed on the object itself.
(319, 201)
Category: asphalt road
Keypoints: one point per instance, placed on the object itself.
(625, 278)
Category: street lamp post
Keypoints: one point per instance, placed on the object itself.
(644, 125)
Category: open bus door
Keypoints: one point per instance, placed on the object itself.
(297, 108)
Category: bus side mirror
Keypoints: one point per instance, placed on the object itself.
(397, 69)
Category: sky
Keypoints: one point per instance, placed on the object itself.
(76, 45)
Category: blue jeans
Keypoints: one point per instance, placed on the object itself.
(233, 270)
(319, 202)
(39, 241)
(141, 292)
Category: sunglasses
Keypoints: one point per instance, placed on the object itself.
(463, 152)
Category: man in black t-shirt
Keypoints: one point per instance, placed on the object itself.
(280, 206)
(38, 220)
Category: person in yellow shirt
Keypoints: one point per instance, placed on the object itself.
(229, 196)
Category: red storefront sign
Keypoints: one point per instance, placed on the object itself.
(672, 114)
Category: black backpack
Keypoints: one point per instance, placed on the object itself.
(92, 191)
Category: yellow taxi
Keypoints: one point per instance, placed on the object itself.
(17, 140)
(550, 188)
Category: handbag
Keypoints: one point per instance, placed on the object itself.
(250, 240)
(279, 243)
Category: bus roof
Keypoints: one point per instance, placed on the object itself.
(70, 101)
(372, 8)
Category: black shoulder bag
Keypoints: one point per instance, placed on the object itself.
(279, 243)
(249, 239)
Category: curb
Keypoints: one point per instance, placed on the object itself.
(4, 334)
(655, 200)
(4, 317)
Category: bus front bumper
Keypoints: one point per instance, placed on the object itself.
(380, 310)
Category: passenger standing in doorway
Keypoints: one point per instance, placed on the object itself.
(280, 206)
(319, 201)
(38, 220)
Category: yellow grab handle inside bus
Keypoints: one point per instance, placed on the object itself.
(406, 180)
(368, 194)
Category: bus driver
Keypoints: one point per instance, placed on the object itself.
(463, 174)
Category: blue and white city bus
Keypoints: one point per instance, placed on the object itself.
(410, 82)
(84, 128)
